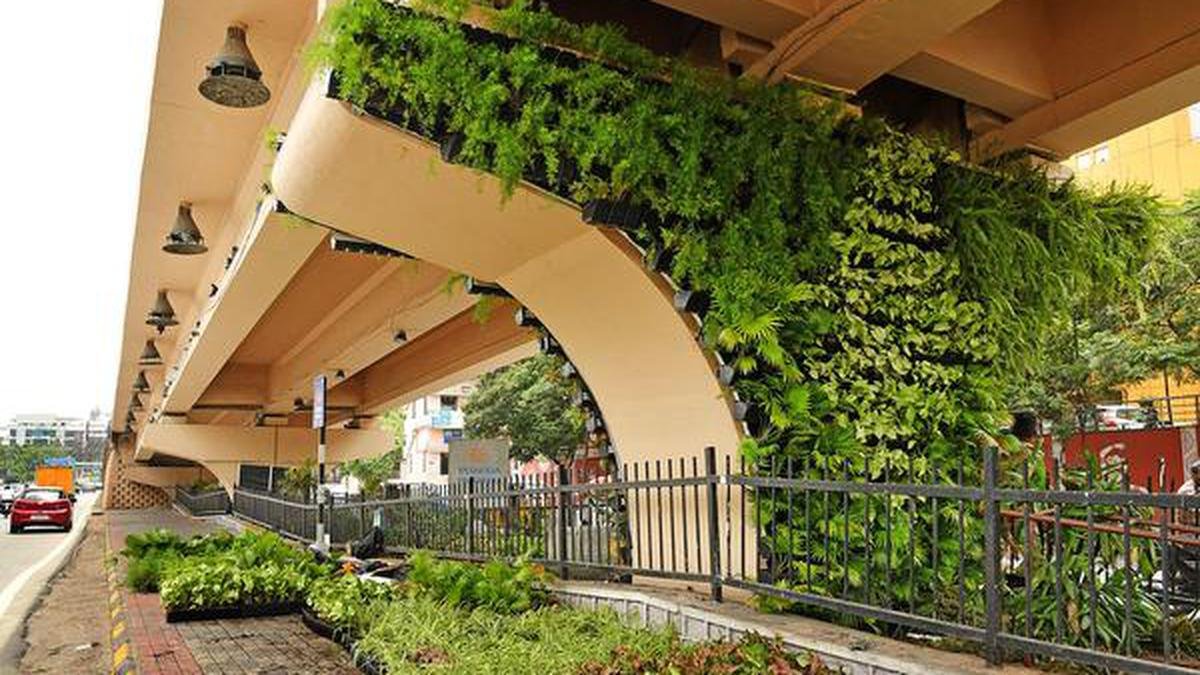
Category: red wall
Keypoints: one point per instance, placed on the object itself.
(1142, 448)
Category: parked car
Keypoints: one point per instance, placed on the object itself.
(1120, 416)
(41, 506)
(9, 492)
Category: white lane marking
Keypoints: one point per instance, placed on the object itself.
(14, 587)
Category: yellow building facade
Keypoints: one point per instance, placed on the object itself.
(1164, 154)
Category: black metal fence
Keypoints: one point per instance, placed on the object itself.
(202, 503)
(294, 519)
(1022, 559)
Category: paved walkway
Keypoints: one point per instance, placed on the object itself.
(227, 646)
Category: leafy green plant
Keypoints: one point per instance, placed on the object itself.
(247, 569)
(499, 586)
(346, 602)
(753, 654)
(419, 635)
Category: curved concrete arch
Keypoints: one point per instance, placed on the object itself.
(650, 376)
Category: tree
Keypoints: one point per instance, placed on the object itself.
(371, 473)
(19, 462)
(1111, 339)
(529, 403)
(300, 481)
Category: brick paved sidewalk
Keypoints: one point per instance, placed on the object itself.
(227, 646)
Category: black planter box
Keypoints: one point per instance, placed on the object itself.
(319, 627)
(236, 612)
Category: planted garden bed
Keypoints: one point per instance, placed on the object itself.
(221, 576)
(456, 617)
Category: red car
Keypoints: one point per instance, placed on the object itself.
(38, 506)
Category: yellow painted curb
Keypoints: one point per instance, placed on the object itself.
(123, 661)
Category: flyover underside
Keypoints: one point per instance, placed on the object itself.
(641, 359)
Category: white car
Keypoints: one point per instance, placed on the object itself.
(9, 492)
(1119, 416)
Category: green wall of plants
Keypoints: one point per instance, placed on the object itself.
(875, 293)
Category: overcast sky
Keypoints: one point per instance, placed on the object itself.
(73, 116)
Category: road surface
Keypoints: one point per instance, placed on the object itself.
(27, 561)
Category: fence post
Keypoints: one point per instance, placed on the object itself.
(991, 555)
(714, 524)
(471, 515)
(564, 477)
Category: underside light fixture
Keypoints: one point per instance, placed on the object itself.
(355, 421)
(400, 337)
(659, 259)
(162, 315)
(584, 399)
(233, 78)
(474, 286)
(548, 345)
(140, 384)
(150, 355)
(212, 290)
(298, 405)
(741, 410)
(696, 302)
(524, 317)
(347, 244)
(135, 403)
(232, 254)
(185, 237)
(726, 374)
(452, 145)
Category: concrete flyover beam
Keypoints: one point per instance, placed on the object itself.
(221, 449)
(641, 359)
(273, 250)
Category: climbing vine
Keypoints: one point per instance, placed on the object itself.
(873, 292)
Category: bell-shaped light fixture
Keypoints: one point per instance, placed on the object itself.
(162, 314)
(135, 403)
(185, 237)
(150, 355)
(141, 385)
(233, 79)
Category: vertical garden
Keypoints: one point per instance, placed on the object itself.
(874, 293)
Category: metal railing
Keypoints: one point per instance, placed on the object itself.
(1175, 410)
(202, 503)
(294, 519)
(1029, 560)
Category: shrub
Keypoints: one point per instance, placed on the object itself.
(752, 654)
(507, 588)
(144, 573)
(417, 635)
(150, 552)
(347, 602)
(248, 569)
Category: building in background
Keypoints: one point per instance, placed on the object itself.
(73, 433)
(430, 423)
(1164, 154)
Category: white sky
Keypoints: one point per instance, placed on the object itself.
(73, 114)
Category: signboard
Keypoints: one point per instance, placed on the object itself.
(318, 412)
(481, 460)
